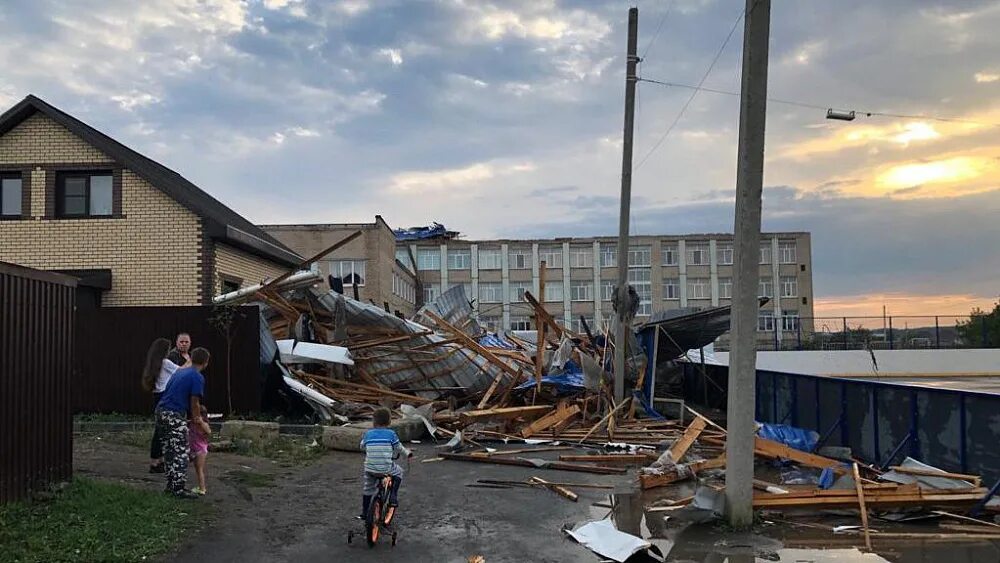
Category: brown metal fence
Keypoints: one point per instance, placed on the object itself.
(36, 353)
(111, 345)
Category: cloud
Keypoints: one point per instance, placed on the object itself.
(464, 178)
(134, 99)
(985, 77)
(395, 56)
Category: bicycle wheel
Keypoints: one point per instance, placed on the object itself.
(373, 521)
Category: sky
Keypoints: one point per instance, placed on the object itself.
(504, 119)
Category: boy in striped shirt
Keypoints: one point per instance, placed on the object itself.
(381, 446)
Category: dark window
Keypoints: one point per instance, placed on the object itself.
(84, 194)
(229, 286)
(10, 195)
(802, 267)
(805, 300)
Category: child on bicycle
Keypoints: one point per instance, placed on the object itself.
(381, 446)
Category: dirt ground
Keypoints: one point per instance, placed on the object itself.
(267, 512)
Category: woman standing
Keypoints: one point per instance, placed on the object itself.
(155, 376)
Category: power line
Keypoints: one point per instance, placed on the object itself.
(821, 107)
(656, 34)
(694, 93)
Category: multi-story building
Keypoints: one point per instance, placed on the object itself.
(668, 272)
(366, 264)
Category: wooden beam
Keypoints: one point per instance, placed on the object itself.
(652, 481)
(684, 443)
(558, 489)
(861, 504)
(555, 465)
(849, 499)
(557, 330)
(540, 337)
(776, 450)
(624, 459)
(603, 420)
(526, 483)
(311, 259)
(549, 420)
(376, 390)
(506, 412)
(974, 479)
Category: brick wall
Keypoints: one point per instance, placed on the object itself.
(249, 269)
(152, 250)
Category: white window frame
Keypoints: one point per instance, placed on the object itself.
(724, 254)
(519, 258)
(552, 256)
(428, 259)
(790, 320)
(460, 259)
(431, 292)
(520, 322)
(789, 286)
(640, 256)
(607, 290)
(609, 255)
(725, 288)
(765, 288)
(581, 291)
(699, 249)
(517, 290)
(554, 292)
(669, 254)
(578, 326)
(490, 292)
(787, 252)
(671, 289)
(765, 253)
(490, 258)
(581, 257)
(699, 288)
(765, 320)
(337, 269)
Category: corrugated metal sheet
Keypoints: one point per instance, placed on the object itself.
(454, 307)
(36, 356)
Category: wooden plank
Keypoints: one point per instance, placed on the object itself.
(603, 420)
(554, 465)
(861, 504)
(776, 450)
(506, 412)
(974, 479)
(965, 518)
(525, 450)
(876, 498)
(526, 483)
(682, 445)
(545, 315)
(540, 337)
(625, 459)
(558, 489)
(549, 420)
(653, 481)
(383, 341)
(377, 390)
(311, 259)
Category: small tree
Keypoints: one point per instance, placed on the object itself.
(225, 318)
(982, 330)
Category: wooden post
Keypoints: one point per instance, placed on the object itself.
(540, 327)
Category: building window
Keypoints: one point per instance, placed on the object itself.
(639, 256)
(551, 255)
(609, 255)
(10, 195)
(724, 254)
(789, 320)
(725, 288)
(789, 287)
(490, 323)
(229, 285)
(765, 253)
(578, 323)
(489, 258)
(403, 257)
(581, 257)
(698, 288)
(671, 288)
(466, 287)
(554, 291)
(491, 292)
(350, 272)
(786, 252)
(607, 290)
(459, 259)
(431, 292)
(669, 254)
(517, 290)
(581, 291)
(639, 278)
(697, 254)
(84, 194)
(765, 321)
(766, 287)
(402, 288)
(521, 323)
(428, 259)
(519, 258)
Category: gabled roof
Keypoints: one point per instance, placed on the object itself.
(221, 223)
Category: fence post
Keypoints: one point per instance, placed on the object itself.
(846, 340)
(798, 335)
(777, 344)
(937, 333)
(891, 343)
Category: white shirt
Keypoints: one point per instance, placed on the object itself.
(167, 369)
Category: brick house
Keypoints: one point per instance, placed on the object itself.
(134, 232)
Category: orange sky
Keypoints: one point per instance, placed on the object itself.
(900, 304)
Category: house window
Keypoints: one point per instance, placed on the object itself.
(639, 256)
(551, 255)
(554, 292)
(519, 258)
(609, 255)
(698, 288)
(520, 323)
(786, 252)
(84, 194)
(489, 258)
(765, 321)
(431, 292)
(697, 254)
(581, 291)
(517, 290)
(724, 254)
(581, 257)
(351, 272)
(607, 290)
(789, 286)
(765, 253)
(428, 259)
(766, 287)
(10, 195)
(491, 292)
(669, 252)
(459, 259)
(789, 320)
(671, 288)
(725, 288)
(229, 285)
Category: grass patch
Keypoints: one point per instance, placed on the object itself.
(286, 450)
(95, 521)
(251, 479)
(136, 438)
(112, 417)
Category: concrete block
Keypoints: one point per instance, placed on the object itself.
(347, 438)
(250, 430)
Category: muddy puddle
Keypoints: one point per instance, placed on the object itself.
(788, 537)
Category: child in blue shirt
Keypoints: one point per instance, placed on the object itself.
(381, 446)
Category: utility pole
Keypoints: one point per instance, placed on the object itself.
(749, 185)
(622, 288)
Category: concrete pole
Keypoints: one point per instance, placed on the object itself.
(626, 197)
(749, 185)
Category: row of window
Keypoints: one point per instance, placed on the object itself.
(350, 272)
(403, 288)
(700, 288)
(766, 320)
(84, 194)
(519, 258)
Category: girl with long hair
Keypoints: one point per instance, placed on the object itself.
(155, 375)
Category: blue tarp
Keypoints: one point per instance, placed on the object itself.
(495, 340)
(566, 383)
(798, 438)
(419, 233)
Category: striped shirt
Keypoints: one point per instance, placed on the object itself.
(380, 445)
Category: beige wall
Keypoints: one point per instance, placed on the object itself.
(152, 252)
(235, 263)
